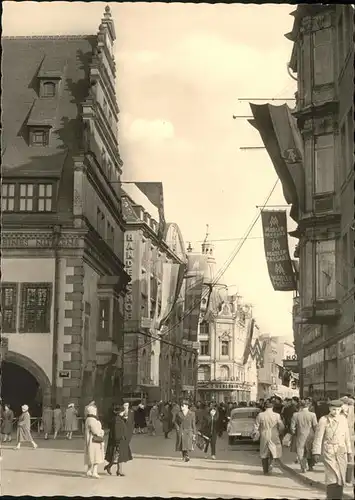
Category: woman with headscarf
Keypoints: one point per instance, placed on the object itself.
(7, 420)
(118, 450)
(71, 420)
(93, 442)
(58, 420)
(47, 420)
(24, 429)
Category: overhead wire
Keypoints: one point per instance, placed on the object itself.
(214, 282)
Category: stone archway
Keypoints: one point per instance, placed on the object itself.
(35, 370)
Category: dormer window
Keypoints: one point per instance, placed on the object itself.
(39, 136)
(48, 88)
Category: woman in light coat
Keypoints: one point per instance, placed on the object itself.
(94, 452)
(47, 421)
(24, 429)
(71, 420)
(58, 420)
(332, 441)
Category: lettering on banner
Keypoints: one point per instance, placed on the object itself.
(129, 262)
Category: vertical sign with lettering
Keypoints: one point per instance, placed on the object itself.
(277, 253)
(129, 262)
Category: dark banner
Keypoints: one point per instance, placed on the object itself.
(277, 254)
(248, 341)
(193, 298)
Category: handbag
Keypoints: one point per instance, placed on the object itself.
(97, 439)
(201, 441)
(287, 440)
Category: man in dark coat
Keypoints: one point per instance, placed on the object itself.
(167, 420)
(118, 450)
(210, 428)
(185, 424)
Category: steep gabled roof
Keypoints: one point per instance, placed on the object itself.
(24, 60)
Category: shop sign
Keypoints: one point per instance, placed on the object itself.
(129, 262)
(38, 241)
(64, 374)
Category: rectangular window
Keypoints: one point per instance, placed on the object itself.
(324, 164)
(204, 328)
(343, 152)
(325, 269)
(45, 197)
(104, 319)
(144, 306)
(36, 301)
(8, 307)
(110, 237)
(340, 37)
(323, 57)
(100, 223)
(204, 348)
(8, 197)
(39, 137)
(346, 263)
(225, 348)
(350, 139)
(26, 197)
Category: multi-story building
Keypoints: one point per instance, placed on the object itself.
(63, 277)
(270, 375)
(318, 181)
(156, 363)
(222, 334)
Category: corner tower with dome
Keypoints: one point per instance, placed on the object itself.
(222, 333)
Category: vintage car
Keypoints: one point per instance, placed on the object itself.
(241, 425)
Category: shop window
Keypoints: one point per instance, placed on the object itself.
(324, 164)
(325, 269)
(39, 136)
(35, 307)
(8, 307)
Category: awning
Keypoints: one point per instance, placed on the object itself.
(284, 144)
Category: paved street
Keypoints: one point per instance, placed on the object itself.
(56, 468)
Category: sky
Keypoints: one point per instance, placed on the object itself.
(181, 69)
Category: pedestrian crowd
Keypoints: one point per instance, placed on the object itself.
(313, 430)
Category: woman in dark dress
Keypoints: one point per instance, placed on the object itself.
(118, 450)
(211, 429)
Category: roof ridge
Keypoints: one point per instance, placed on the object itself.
(46, 37)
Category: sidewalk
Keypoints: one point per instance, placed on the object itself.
(313, 478)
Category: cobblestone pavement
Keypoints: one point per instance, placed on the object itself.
(56, 468)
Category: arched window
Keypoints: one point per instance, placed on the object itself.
(204, 373)
(48, 89)
(224, 372)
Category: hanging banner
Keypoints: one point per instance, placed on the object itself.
(277, 254)
(248, 341)
(193, 299)
(154, 193)
(173, 275)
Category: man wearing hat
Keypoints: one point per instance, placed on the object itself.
(303, 426)
(332, 437)
(269, 427)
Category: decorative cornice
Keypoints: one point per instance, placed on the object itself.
(312, 221)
